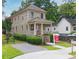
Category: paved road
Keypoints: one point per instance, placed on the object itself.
(25, 47)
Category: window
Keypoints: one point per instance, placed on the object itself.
(54, 28)
(22, 27)
(73, 25)
(41, 15)
(15, 19)
(18, 17)
(66, 28)
(22, 18)
(32, 14)
(31, 27)
(26, 27)
(74, 28)
(16, 28)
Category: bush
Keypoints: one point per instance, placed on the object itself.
(12, 39)
(30, 39)
(34, 40)
(20, 37)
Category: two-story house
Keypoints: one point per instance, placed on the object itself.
(30, 21)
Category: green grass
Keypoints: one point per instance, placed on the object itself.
(65, 44)
(3, 37)
(51, 47)
(8, 52)
(73, 54)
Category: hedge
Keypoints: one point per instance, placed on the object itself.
(20, 37)
(34, 40)
(30, 39)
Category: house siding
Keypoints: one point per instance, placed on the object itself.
(23, 19)
(61, 27)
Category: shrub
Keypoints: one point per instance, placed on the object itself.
(30, 39)
(11, 39)
(34, 40)
(20, 37)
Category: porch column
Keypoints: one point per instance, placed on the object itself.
(41, 29)
(51, 28)
(35, 29)
(28, 29)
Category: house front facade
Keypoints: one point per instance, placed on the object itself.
(65, 25)
(30, 21)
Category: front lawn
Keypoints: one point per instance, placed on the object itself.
(73, 54)
(51, 47)
(65, 44)
(8, 52)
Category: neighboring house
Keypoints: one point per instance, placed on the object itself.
(65, 25)
(30, 21)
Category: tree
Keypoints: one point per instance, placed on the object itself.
(52, 12)
(13, 12)
(69, 1)
(3, 2)
(68, 9)
(6, 25)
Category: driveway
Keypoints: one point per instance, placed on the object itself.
(26, 47)
(44, 55)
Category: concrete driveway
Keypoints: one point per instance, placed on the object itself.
(44, 55)
(26, 47)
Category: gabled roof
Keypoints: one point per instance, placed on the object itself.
(69, 19)
(29, 7)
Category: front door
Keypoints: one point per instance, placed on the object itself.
(38, 27)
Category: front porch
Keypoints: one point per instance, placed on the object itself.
(38, 27)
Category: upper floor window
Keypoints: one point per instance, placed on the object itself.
(41, 15)
(15, 19)
(18, 17)
(22, 27)
(22, 18)
(32, 14)
(67, 28)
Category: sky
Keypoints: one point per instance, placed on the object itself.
(11, 5)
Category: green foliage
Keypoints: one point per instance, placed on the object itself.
(50, 7)
(31, 39)
(3, 37)
(51, 47)
(34, 40)
(13, 12)
(8, 52)
(73, 54)
(20, 37)
(6, 24)
(65, 44)
(51, 38)
(68, 9)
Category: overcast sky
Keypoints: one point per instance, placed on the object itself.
(14, 5)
